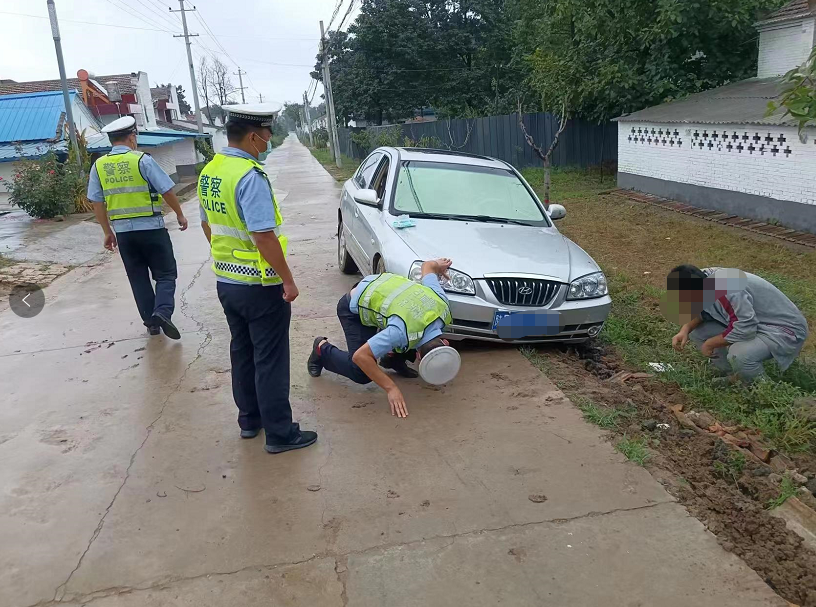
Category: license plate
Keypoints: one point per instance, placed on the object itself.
(521, 324)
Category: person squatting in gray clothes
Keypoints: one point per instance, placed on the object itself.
(736, 319)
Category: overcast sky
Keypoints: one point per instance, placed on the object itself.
(274, 41)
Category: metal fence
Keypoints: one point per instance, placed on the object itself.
(582, 144)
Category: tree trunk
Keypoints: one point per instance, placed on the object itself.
(547, 165)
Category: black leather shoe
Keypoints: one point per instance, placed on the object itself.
(313, 364)
(168, 327)
(250, 433)
(153, 329)
(304, 439)
(398, 364)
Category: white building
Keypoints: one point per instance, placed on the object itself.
(718, 150)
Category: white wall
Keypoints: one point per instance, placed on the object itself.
(7, 170)
(164, 155)
(184, 151)
(784, 47)
(144, 99)
(783, 176)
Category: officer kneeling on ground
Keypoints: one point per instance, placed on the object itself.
(127, 188)
(737, 319)
(386, 313)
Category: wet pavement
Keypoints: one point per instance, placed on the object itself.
(124, 482)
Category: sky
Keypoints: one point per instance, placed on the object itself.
(274, 41)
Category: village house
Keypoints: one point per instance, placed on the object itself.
(718, 149)
(32, 122)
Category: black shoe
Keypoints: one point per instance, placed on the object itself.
(398, 364)
(250, 433)
(313, 364)
(304, 439)
(168, 327)
(153, 329)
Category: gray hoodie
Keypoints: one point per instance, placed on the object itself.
(751, 307)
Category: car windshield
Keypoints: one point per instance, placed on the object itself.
(463, 192)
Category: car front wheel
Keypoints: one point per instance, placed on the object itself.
(344, 260)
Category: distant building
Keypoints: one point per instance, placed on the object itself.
(165, 103)
(718, 150)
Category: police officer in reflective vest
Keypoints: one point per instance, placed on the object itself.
(388, 313)
(128, 187)
(241, 219)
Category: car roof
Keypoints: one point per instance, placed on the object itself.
(449, 156)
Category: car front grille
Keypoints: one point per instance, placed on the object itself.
(532, 292)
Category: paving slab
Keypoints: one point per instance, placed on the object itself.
(125, 482)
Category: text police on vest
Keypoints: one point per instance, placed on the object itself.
(215, 207)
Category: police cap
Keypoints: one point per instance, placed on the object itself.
(121, 126)
(253, 114)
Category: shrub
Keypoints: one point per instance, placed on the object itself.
(321, 138)
(204, 148)
(45, 187)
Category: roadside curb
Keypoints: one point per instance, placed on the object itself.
(734, 221)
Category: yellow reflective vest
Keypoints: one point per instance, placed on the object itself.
(127, 193)
(391, 295)
(235, 255)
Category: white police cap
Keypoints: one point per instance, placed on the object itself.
(255, 114)
(125, 124)
(440, 365)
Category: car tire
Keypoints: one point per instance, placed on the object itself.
(380, 269)
(344, 260)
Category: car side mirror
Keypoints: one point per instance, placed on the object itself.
(367, 197)
(557, 211)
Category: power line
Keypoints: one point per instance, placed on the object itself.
(163, 19)
(143, 29)
(134, 12)
(334, 14)
(348, 12)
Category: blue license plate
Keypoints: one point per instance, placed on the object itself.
(518, 325)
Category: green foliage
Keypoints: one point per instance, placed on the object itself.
(45, 187)
(606, 57)
(731, 468)
(204, 148)
(184, 107)
(321, 138)
(634, 449)
(607, 418)
(799, 93)
(786, 491)
(432, 142)
(371, 139)
(292, 114)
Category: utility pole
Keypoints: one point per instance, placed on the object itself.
(69, 113)
(308, 123)
(241, 80)
(187, 37)
(330, 100)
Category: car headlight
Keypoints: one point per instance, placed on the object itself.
(459, 282)
(591, 285)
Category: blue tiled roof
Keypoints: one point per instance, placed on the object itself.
(11, 152)
(149, 139)
(31, 116)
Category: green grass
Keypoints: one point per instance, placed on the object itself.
(324, 157)
(733, 467)
(608, 418)
(636, 245)
(5, 262)
(787, 490)
(634, 449)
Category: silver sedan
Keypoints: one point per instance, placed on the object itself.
(515, 276)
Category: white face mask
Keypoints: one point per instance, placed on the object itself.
(262, 154)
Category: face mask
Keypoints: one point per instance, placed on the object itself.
(263, 155)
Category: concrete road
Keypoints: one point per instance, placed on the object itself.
(124, 481)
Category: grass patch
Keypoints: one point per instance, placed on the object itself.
(733, 467)
(636, 245)
(324, 157)
(634, 449)
(6, 262)
(786, 490)
(608, 418)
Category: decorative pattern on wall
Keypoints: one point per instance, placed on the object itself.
(743, 142)
(656, 136)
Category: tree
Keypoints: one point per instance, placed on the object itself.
(292, 113)
(799, 93)
(221, 84)
(184, 107)
(204, 79)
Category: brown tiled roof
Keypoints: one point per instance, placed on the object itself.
(9, 87)
(792, 10)
(160, 92)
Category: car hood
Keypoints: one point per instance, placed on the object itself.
(483, 248)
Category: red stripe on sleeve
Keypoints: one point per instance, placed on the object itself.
(732, 318)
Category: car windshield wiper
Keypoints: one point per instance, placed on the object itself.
(489, 219)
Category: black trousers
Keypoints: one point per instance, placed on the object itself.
(336, 360)
(258, 320)
(147, 253)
